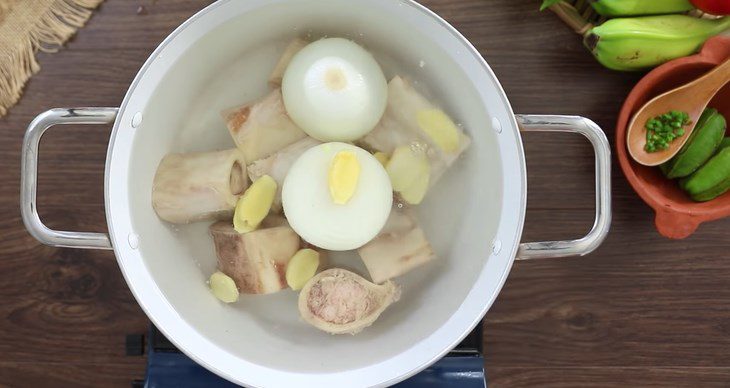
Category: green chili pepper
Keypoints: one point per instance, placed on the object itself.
(725, 143)
(712, 180)
(663, 129)
(701, 145)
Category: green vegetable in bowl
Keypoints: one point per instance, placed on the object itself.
(664, 129)
(701, 145)
(725, 143)
(710, 181)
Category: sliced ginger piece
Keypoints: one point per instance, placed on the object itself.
(223, 287)
(382, 157)
(409, 172)
(404, 165)
(302, 267)
(254, 205)
(343, 176)
(415, 193)
(439, 128)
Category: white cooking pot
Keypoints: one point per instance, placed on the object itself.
(221, 57)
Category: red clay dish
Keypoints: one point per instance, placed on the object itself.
(677, 216)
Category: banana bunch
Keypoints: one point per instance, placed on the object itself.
(642, 33)
(643, 42)
(620, 8)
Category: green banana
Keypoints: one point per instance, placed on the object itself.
(665, 168)
(642, 42)
(614, 8)
(725, 143)
(700, 146)
(710, 181)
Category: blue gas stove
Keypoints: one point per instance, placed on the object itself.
(167, 367)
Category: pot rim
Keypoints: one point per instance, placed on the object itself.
(397, 368)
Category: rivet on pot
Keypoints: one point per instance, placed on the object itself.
(496, 247)
(496, 125)
(133, 240)
(137, 120)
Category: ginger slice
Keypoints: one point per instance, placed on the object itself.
(409, 171)
(223, 287)
(254, 205)
(302, 267)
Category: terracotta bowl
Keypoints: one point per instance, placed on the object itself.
(677, 216)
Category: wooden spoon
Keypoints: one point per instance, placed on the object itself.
(691, 98)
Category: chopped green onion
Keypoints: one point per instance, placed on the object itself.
(665, 128)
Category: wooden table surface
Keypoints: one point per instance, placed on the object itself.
(640, 311)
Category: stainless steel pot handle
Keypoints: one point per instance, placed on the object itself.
(535, 250)
(594, 238)
(29, 176)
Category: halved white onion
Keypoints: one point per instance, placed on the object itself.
(334, 90)
(314, 215)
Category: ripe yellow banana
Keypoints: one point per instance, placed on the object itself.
(642, 42)
(614, 8)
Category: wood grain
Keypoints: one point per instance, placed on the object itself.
(640, 311)
(581, 377)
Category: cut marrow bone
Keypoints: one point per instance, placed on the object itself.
(401, 126)
(400, 247)
(261, 128)
(291, 50)
(256, 260)
(198, 186)
(341, 302)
